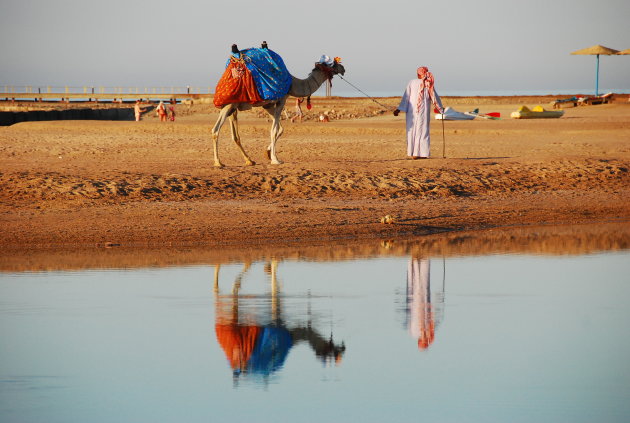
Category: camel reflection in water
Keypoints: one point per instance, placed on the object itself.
(253, 333)
(424, 306)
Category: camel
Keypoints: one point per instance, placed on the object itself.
(253, 334)
(299, 88)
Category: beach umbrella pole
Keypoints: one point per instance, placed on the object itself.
(443, 139)
(597, 77)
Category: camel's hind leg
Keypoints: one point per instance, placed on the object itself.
(237, 138)
(236, 286)
(225, 112)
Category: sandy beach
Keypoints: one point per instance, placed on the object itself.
(82, 184)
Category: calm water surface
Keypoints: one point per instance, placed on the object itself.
(518, 338)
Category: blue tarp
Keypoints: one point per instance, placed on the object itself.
(271, 77)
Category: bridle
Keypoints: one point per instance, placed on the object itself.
(328, 71)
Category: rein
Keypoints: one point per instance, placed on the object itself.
(368, 96)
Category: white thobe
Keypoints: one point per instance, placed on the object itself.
(419, 309)
(418, 137)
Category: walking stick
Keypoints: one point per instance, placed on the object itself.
(443, 139)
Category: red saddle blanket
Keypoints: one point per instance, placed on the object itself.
(236, 85)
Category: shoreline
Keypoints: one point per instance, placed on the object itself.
(554, 240)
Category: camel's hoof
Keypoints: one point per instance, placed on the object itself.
(218, 165)
(276, 162)
(250, 163)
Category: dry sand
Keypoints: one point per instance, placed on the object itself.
(76, 184)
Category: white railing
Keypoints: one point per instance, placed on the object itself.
(66, 89)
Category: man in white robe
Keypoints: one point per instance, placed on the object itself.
(416, 103)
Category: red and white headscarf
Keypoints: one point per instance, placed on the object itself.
(427, 81)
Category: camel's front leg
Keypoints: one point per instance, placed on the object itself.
(237, 138)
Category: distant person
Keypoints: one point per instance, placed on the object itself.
(416, 103)
(138, 110)
(171, 110)
(298, 109)
(161, 111)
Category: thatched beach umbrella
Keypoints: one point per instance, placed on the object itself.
(597, 50)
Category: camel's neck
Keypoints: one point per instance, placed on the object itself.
(306, 87)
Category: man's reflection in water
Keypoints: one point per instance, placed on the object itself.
(253, 334)
(423, 313)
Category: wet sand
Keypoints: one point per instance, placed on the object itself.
(82, 184)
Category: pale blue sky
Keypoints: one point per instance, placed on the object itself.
(482, 45)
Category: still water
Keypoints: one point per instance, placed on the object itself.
(482, 338)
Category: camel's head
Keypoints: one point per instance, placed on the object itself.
(338, 68)
(330, 66)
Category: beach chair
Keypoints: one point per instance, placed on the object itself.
(600, 99)
(559, 104)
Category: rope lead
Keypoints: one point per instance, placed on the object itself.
(368, 96)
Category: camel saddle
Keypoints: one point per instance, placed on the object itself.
(253, 75)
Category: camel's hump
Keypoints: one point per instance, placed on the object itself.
(270, 74)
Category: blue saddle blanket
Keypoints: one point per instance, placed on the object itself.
(271, 77)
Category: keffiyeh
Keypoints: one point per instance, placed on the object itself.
(427, 82)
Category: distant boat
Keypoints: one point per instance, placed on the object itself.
(452, 114)
(537, 112)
